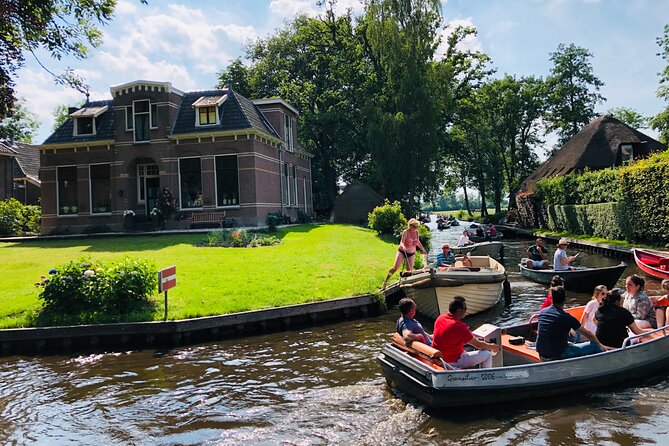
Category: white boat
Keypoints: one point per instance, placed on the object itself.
(434, 289)
(492, 249)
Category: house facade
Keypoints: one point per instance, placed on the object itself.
(216, 150)
(19, 172)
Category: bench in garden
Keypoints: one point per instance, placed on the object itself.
(206, 217)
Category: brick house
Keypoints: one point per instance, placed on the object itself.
(19, 172)
(216, 150)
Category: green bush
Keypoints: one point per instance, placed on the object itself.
(239, 239)
(17, 219)
(84, 291)
(273, 220)
(387, 219)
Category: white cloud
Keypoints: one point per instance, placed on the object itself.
(125, 7)
(469, 43)
(290, 8)
(239, 33)
(135, 65)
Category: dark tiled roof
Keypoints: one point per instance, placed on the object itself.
(236, 113)
(594, 147)
(104, 126)
(5, 148)
(27, 161)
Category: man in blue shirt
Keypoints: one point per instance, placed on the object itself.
(445, 258)
(553, 332)
(410, 329)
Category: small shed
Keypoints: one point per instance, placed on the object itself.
(355, 203)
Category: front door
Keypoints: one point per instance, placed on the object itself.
(152, 189)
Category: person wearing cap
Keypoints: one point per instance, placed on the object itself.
(561, 260)
(445, 258)
(407, 249)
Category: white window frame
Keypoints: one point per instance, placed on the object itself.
(197, 116)
(295, 185)
(142, 178)
(128, 124)
(76, 126)
(134, 113)
(239, 199)
(153, 117)
(90, 190)
(288, 129)
(181, 206)
(58, 192)
(306, 211)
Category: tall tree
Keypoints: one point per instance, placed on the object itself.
(573, 91)
(660, 122)
(21, 126)
(629, 116)
(236, 75)
(62, 27)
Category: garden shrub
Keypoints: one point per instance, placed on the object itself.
(387, 219)
(18, 219)
(273, 220)
(239, 239)
(86, 291)
(166, 206)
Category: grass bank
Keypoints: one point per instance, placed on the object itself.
(313, 263)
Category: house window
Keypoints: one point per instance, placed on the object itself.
(141, 119)
(285, 197)
(295, 186)
(128, 118)
(227, 181)
(627, 153)
(154, 116)
(100, 180)
(67, 190)
(85, 126)
(206, 115)
(145, 171)
(289, 133)
(190, 183)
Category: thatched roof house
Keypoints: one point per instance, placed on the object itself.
(355, 203)
(19, 172)
(603, 143)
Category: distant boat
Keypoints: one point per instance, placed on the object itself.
(443, 224)
(492, 249)
(481, 284)
(653, 263)
(581, 279)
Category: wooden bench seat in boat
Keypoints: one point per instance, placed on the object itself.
(520, 350)
(422, 352)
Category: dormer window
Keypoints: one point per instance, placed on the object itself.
(206, 110)
(84, 120)
(626, 152)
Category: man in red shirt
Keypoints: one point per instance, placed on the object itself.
(451, 334)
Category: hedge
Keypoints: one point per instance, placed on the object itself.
(629, 202)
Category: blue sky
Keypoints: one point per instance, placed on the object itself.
(187, 43)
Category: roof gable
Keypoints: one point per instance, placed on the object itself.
(104, 125)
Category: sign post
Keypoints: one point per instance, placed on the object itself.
(167, 278)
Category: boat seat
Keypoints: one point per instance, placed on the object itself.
(423, 352)
(519, 350)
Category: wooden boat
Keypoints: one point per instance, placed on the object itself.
(454, 221)
(517, 373)
(581, 279)
(492, 249)
(481, 284)
(486, 238)
(653, 263)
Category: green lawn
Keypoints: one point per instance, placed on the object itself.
(314, 262)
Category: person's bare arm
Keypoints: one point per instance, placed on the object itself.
(482, 345)
(588, 334)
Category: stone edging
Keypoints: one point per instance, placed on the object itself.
(123, 336)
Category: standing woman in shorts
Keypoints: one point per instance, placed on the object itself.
(406, 251)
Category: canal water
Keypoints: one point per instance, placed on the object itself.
(318, 386)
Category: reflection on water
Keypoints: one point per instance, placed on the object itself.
(318, 386)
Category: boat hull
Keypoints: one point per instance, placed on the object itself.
(581, 280)
(492, 249)
(474, 387)
(433, 290)
(655, 264)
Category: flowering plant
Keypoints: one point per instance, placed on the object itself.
(128, 213)
(155, 212)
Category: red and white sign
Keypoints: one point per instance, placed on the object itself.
(167, 278)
